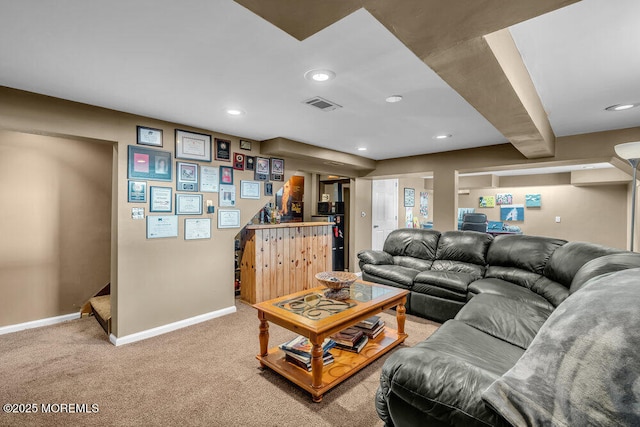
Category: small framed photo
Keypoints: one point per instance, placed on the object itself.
(249, 189)
(149, 136)
(238, 161)
(409, 197)
(227, 195)
(226, 175)
(262, 169)
(149, 164)
(277, 169)
(193, 146)
(137, 192)
(268, 188)
(250, 163)
(245, 145)
(186, 176)
(223, 150)
(228, 218)
(160, 199)
(188, 204)
(197, 228)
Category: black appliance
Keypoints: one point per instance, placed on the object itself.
(337, 237)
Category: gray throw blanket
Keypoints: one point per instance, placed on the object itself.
(583, 367)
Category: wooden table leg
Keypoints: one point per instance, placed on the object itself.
(401, 317)
(263, 336)
(316, 365)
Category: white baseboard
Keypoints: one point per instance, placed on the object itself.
(38, 323)
(149, 333)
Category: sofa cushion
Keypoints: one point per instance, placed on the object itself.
(443, 284)
(567, 260)
(473, 270)
(414, 242)
(552, 291)
(582, 369)
(370, 256)
(513, 321)
(445, 375)
(510, 290)
(395, 275)
(411, 262)
(465, 246)
(605, 264)
(529, 253)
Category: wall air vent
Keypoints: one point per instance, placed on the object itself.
(322, 104)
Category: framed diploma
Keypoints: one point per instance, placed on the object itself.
(228, 218)
(147, 163)
(197, 228)
(137, 192)
(188, 204)
(160, 199)
(227, 195)
(262, 169)
(249, 189)
(223, 150)
(186, 176)
(193, 146)
(149, 136)
(162, 226)
(209, 179)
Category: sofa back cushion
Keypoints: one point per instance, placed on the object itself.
(529, 253)
(568, 259)
(412, 242)
(412, 262)
(464, 246)
(603, 265)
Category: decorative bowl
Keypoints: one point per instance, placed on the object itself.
(338, 283)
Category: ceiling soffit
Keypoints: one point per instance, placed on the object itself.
(449, 38)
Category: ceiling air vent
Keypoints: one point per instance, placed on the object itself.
(322, 104)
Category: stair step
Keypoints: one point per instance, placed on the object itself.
(101, 307)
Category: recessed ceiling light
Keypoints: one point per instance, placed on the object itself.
(362, 148)
(319, 75)
(235, 111)
(394, 98)
(443, 136)
(621, 107)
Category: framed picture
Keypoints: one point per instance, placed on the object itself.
(223, 150)
(227, 195)
(226, 175)
(262, 169)
(277, 169)
(268, 188)
(160, 199)
(209, 179)
(149, 164)
(137, 213)
(238, 161)
(197, 228)
(162, 226)
(228, 218)
(193, 146)
(186, 176)
(249, 189)
(250, 163)
(245, 145)
(137, 192)
(409, 197)
(149, 136)
(188, 204)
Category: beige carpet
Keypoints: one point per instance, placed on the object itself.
(203, 375)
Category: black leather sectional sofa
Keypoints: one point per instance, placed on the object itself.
(494, 295)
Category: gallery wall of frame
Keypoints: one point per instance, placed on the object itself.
(175, 180)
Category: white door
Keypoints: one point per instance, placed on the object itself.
(384, 208)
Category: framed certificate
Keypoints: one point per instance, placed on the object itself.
(249, 189)
(137, 192)
(209, 179)
(149, 136)
(160, 199)
(188, 204)
(227, 195)
(193, 146)
(197, 228)
(186, 176)
(228, 218)
(162, 226)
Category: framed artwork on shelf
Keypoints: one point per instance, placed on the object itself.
(250, 163)
(160, 199)
(249, 189)
(262, 169)
(277, 169)
(149, 136)
(228, 218)
(197, 228)
(137, 192)
(149, 164)
(186, 176)
(268, 188)
(409, 197)
(238, 161)
(223, 150)
(226, 175)
(209, 179)
(193, 146)
(245, 145)
(188, 204)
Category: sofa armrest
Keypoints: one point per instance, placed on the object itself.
(370, 256)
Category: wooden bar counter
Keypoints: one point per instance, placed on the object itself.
(280, 259)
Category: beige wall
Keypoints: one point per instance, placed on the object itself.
(56, 224)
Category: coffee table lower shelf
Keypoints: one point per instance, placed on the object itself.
(345, 363)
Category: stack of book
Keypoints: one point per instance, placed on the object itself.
(350, 339)
(371, 327)
(298, 351)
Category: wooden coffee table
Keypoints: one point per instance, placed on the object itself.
(310, 314)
